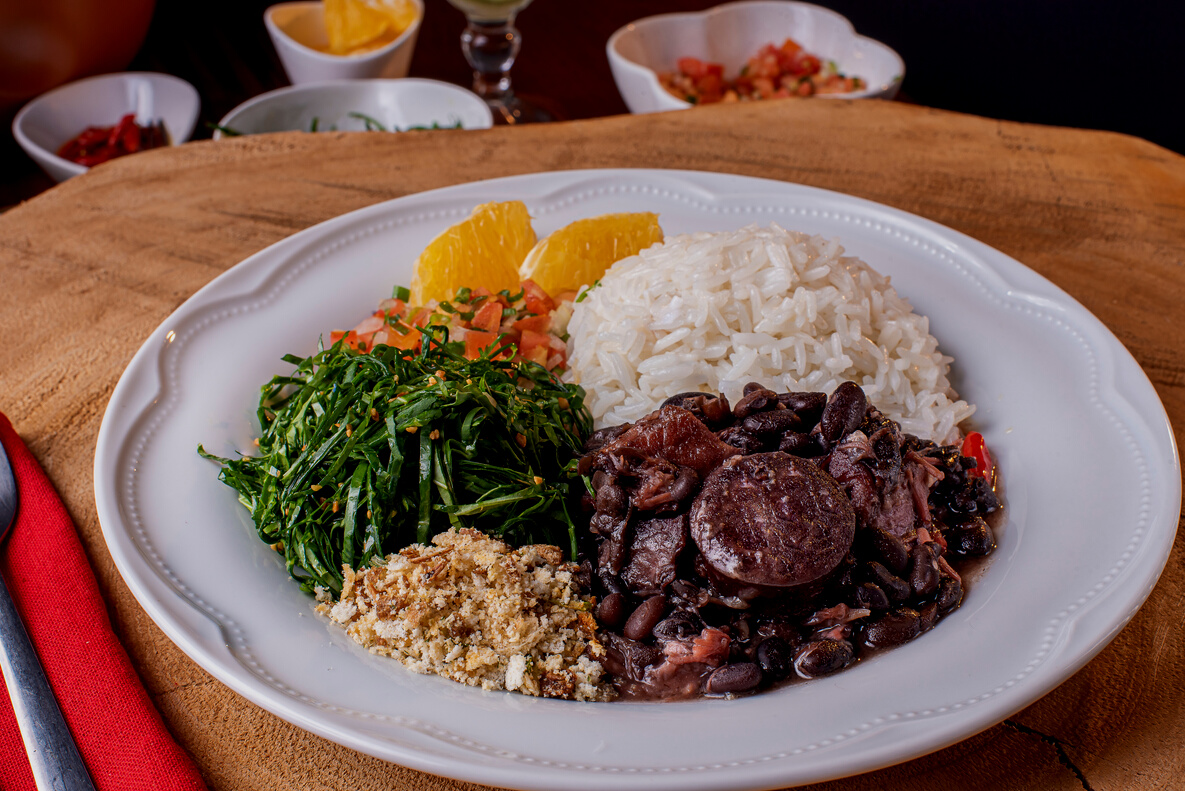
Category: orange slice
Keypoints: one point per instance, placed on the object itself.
(401, 13)
(353, 24)
(483, 251)
(578, 254)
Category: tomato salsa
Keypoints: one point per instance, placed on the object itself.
(529, 324)
(773, 72)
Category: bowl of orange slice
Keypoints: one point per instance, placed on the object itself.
(344, 39)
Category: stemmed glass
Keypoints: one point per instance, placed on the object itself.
(491, 43)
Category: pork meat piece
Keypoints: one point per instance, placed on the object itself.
(672, 434)
(654, 554)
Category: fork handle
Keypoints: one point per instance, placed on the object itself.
(53, 755)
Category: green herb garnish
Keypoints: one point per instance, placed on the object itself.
(225, 130)
(372, 125)
(363, 454)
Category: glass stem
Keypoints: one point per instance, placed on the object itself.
(490, 48)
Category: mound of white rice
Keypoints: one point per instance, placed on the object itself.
(712, 311)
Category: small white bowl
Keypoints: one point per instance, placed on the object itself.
(45, 123)
(396, 104)
(295, 28)
(731, 34)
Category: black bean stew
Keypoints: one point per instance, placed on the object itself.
(733, 548)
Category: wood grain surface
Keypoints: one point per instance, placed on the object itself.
(90, 268)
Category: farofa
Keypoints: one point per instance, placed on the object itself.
(473, 610)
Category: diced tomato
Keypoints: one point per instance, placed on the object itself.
(697, 69)
(806, 65)
(556, 360)
(364, 332)
(488, 317)
(536, 298)
(422, 317)
(534, 323)
(565, 296)
(976, 448)
(790, 47)
(536, 355)
(409, 340)
(336, 336)
(535, 347)
(476, 340)
(766, 63)
(710, 87)
(393, 307)
(481, 291)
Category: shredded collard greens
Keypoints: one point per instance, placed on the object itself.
(363, 454)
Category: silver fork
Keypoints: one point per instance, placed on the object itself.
(53, 755)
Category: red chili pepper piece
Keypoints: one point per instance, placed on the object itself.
(93, 136)
(975, 448)
(131, 138)
(97, 144)
(120, 130)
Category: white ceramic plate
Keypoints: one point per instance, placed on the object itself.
(1089, 464)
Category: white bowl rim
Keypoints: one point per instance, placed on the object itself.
(652, 76)
(373, 54)
(307, 86)
(174, 139)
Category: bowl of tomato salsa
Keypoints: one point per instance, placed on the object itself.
(747, 51)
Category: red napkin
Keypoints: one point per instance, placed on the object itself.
(119, 732)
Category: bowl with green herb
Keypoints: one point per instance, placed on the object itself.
(358, 106)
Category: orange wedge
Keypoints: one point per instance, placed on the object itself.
(483, 251)
(578, 254)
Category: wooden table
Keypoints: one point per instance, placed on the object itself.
(91, 267)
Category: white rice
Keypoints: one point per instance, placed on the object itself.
(712, 311)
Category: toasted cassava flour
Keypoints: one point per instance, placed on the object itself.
(471, 609)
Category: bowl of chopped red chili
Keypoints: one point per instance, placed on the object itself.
(746, 51)
(86, 123)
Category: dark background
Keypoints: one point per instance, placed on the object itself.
(1087, 63)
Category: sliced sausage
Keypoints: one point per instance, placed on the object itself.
(772, 519)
